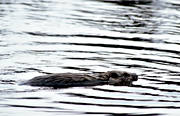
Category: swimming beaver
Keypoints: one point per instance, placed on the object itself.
(61, 80)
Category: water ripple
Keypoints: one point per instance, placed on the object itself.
(44, 37)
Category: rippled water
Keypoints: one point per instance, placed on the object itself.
(49, 36)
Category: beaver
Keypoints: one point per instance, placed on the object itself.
(63, 80)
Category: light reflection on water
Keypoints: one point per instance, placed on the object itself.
(39, 37)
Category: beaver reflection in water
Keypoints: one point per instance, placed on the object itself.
(61, 80)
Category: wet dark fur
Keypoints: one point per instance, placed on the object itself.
(61, 80)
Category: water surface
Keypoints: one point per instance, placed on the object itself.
(50, 36)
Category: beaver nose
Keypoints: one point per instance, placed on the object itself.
(135, 77)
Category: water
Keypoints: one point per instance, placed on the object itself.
(49, 36)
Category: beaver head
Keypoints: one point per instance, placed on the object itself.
(121, 78)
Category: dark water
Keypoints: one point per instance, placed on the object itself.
(48, 36)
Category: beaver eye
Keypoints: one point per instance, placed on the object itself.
(126, 74)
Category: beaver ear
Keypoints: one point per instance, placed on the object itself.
(113, 74)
